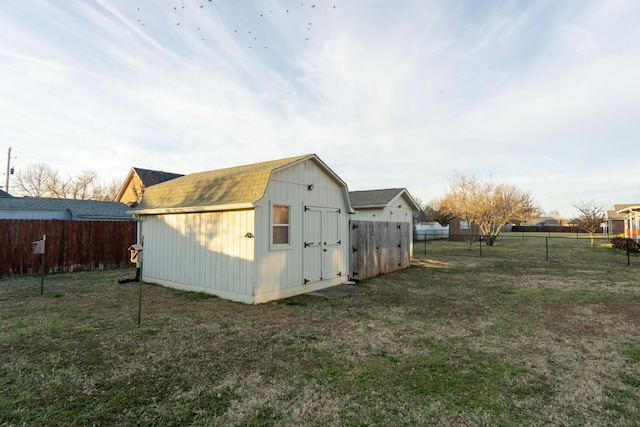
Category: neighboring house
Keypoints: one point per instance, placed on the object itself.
(631, 222)
(544, 221)
(137, 181)
(39, 208)
(615, 222)
(575, 222)
(548, 222)
(4, 194)
(250, 233)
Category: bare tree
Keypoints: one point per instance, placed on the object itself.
(592, 216)
(107, 192)
(485, 206)
(433, 212)
(504, 203)
(39, 180)
(463, 200)
(32, 181)
(57, 186)
(82, 185)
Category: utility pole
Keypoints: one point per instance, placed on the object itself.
(6, 184)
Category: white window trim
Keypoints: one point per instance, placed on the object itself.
(284, 246)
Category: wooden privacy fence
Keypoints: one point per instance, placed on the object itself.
(378, 247)
(70, 245)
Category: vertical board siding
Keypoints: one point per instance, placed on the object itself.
(70, 245)
(378, 247)
(281, 269)
(201, 251)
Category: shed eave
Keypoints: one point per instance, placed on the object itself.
(193, 209)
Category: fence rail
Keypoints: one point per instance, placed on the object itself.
(70, 245)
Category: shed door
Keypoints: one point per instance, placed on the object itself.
(312, 262)
(331, 244)
(322, 244)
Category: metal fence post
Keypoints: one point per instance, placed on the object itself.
(546, 240)
(42, 276)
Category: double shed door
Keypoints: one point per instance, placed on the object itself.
(322, 244)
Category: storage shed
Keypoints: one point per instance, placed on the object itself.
(250, 233)
(380, 231)
(390, 204)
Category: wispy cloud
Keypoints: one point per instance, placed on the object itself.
(540, 94)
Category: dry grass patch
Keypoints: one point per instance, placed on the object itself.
(506, 339)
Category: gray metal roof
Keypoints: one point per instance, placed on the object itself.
(377, 198)
(79, 209)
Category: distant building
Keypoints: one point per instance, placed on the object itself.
(631, 222)
(615, 221)
(41, 208)
(137, 181)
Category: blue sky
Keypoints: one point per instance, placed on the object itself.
(544, 95)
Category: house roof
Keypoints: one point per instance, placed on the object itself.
(4, 194)
(379, 198)
(152, 177)
(148, 177)
(234, 187)
(628, 208)
(79, 209)
(614, 214)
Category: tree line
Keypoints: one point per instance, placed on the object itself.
(40, 180)
(486, 207)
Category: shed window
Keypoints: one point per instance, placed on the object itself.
(280, 234)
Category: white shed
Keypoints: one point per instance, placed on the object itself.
(390, 205)
(250, 233)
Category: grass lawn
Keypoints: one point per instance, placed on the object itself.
(508, 338)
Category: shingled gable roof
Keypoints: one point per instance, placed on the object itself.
(4, 194)
(231, 188)
(148, 177)
(151, 177)
(378, 198)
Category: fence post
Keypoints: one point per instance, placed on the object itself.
(42, 276)
(546, 242)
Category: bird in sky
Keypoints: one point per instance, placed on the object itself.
(254, 32)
